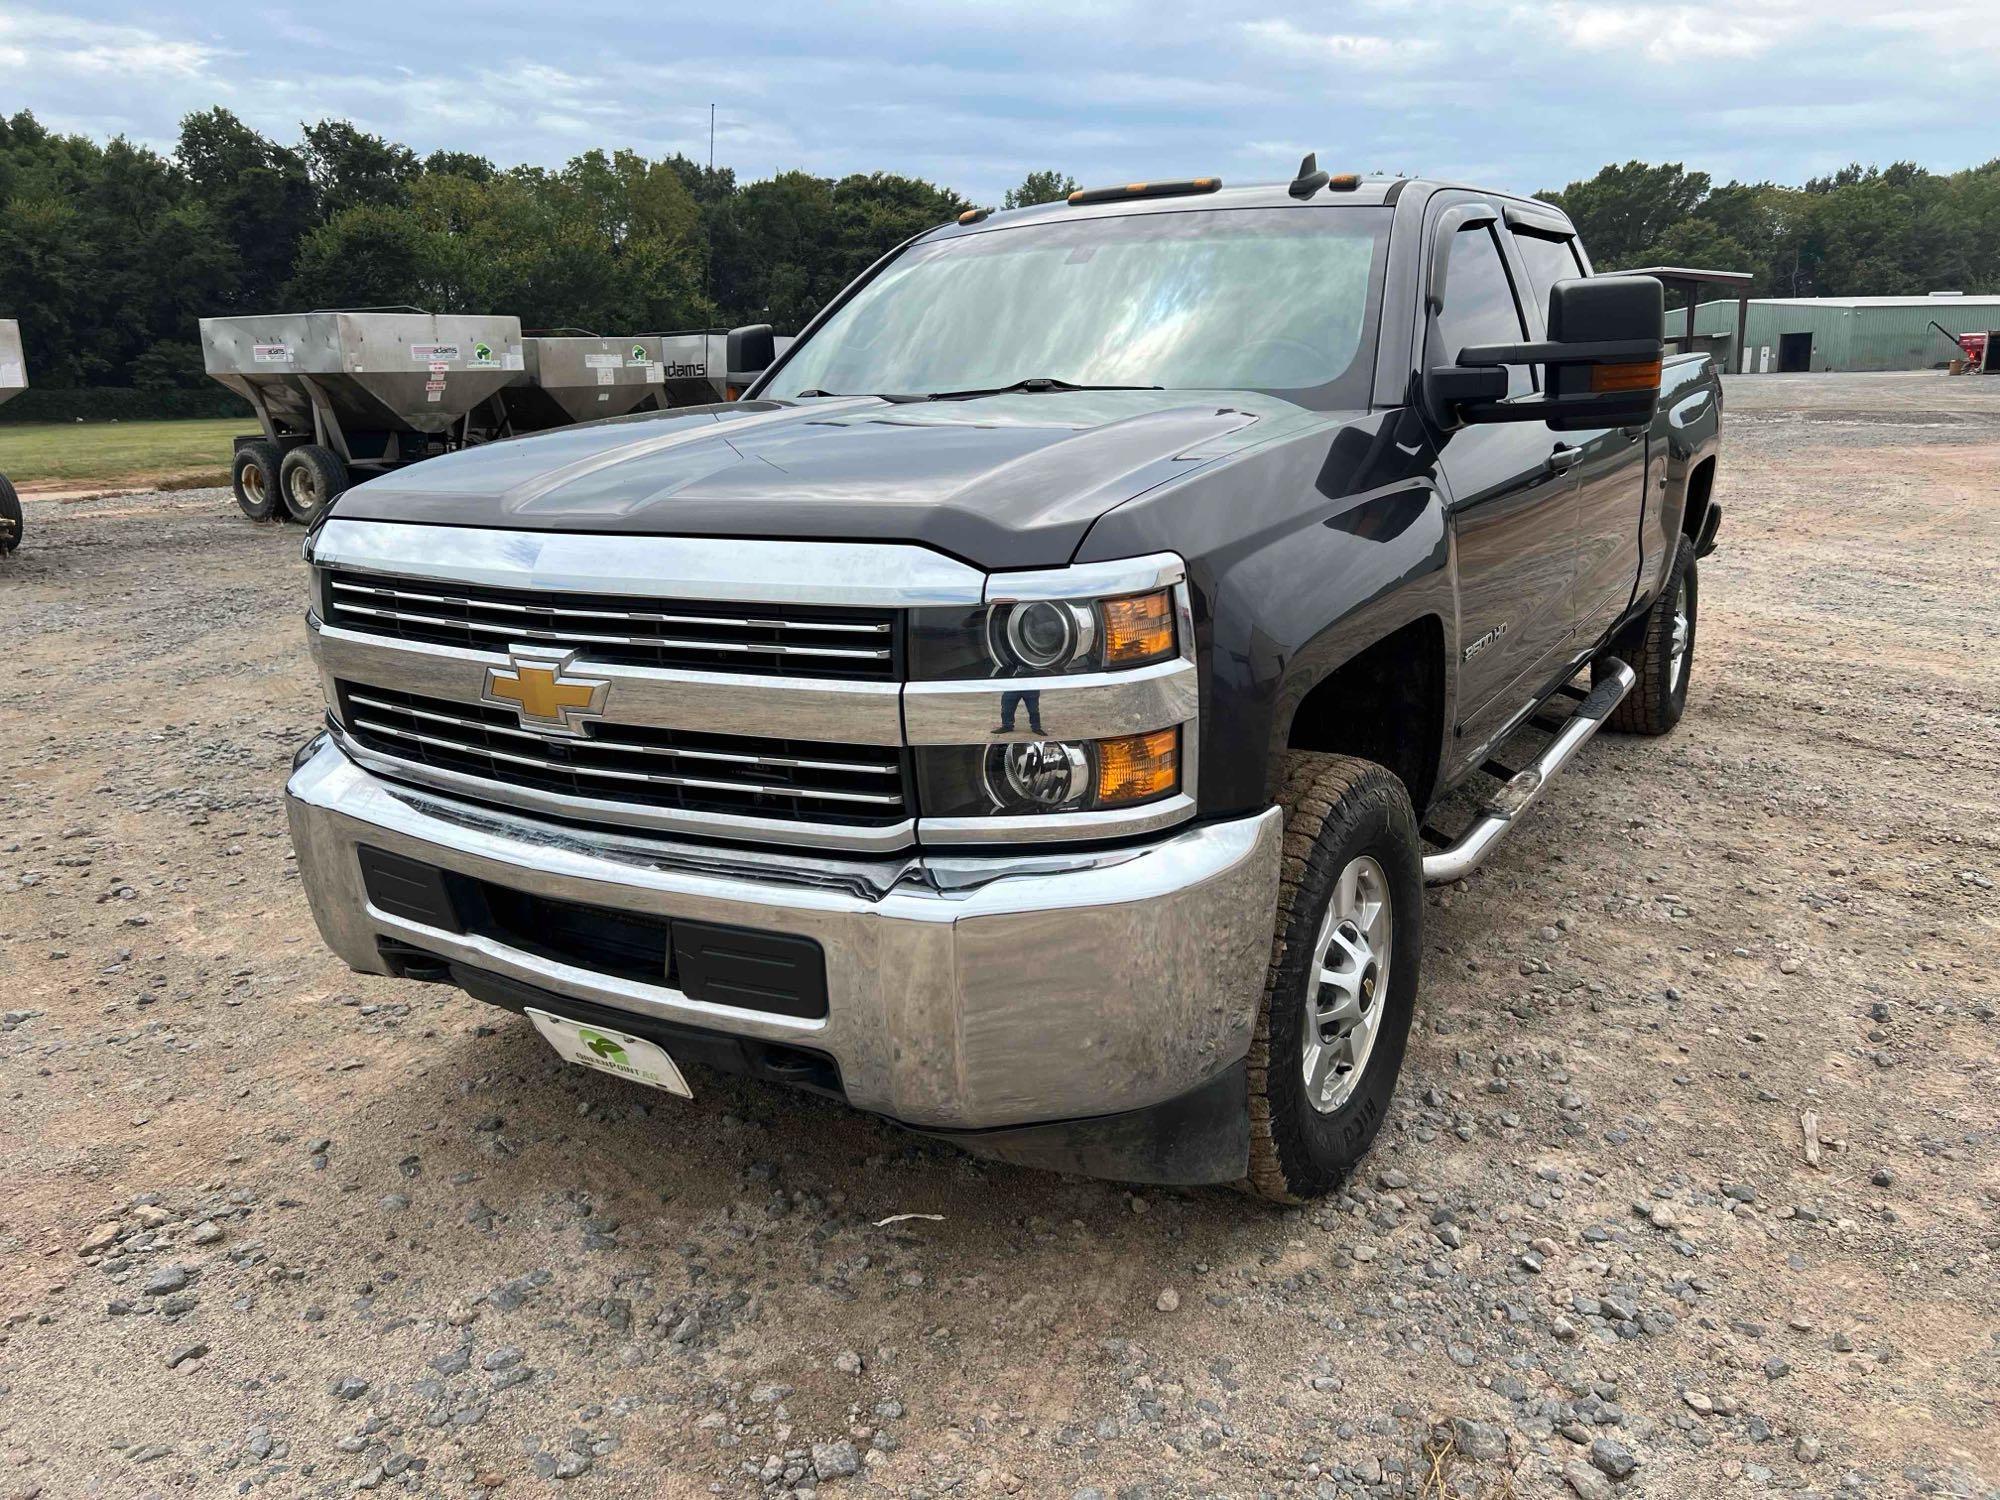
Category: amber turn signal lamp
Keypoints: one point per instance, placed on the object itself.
(1138, 629)
(1642, 375)
(1138, 767)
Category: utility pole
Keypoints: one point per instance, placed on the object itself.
(707, 228)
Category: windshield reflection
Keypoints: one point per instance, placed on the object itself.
(1237, 299)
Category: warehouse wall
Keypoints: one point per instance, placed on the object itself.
(1844, 338)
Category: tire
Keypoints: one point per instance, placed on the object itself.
(310, 479)
(1664, 655)
(1349, 829)
(254, 478)
(12, 525)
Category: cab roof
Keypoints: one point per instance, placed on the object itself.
(1368, 192)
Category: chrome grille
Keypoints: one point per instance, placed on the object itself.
(787, 641)
(858, 785)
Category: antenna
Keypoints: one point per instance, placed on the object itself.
(1310, 179)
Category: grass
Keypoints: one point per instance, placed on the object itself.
(75, 455)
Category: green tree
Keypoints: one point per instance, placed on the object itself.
(349, 168)
(1624, 209)
(259, 195)
(371, 256)
(459, 164)
(1039, 187)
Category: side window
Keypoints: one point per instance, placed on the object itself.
(1548, 261)
(1479, 305)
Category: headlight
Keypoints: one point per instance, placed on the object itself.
(1062, 704)
(1043, 637)
(1044, 633)
(1040, 774)
(1027, 777)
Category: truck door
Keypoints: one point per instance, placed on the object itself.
(1609, 464)
(1512, 509)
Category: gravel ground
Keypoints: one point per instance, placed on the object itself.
(273, 1228)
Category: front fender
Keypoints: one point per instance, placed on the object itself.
(1300, 555)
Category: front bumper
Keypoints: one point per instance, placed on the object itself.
(1008, 1000)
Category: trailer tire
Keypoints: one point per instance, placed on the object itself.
(1350, 842)
(253, 476)
(12, 526)
(310, 479)
(1662, 654)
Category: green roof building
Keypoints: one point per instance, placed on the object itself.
(1839, 333)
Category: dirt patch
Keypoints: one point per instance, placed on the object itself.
(364, 1232)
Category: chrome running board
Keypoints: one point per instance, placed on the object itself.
(1519, 794)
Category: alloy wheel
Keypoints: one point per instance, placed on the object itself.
(1343, 1014)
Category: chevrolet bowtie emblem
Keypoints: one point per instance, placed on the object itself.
(538, 686)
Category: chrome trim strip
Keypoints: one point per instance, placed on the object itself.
(878, 839)
(1102, 580)
(627, 747)
(608, 773)
(1083, 706)
(473, 601)
(1148, 817)
(722, 570)
(514, 632)
(853, 713)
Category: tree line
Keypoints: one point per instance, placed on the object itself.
(109, 253)
(1861, 232)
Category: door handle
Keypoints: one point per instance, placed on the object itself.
(1562, 459)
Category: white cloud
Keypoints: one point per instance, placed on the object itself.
(1663, 33)
(1280, 36)
(974, 95)
(42, 43)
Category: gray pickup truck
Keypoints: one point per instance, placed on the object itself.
(1031, 712)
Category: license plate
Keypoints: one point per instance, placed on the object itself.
(610, 1051)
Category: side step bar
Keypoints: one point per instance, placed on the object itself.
(1519, 794)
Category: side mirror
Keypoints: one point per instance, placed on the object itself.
(1602, 358)
(750, 351)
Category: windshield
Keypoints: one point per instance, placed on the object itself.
(1221, 299)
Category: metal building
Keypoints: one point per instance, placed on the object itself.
(1841, 333)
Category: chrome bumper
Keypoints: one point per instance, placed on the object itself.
(963, 993)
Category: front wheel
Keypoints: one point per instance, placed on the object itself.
(11, 524)
(1342, 987)
(311, 478)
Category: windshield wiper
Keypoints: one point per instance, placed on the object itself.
(1034, 383)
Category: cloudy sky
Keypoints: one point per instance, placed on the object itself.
(972, 93)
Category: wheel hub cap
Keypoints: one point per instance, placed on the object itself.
(1677, 655)
(1343, 1011)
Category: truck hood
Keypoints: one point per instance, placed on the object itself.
(1009, 481)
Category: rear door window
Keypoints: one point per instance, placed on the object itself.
(1479, 304)
(1548, 260)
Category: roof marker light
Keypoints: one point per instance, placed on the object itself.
(1174, 189)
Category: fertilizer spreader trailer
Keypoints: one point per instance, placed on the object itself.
(362, 391)
(367, 391)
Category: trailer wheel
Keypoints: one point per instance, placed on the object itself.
(11, 525)
(311, 478)
(1342, 986)
(254, 478)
